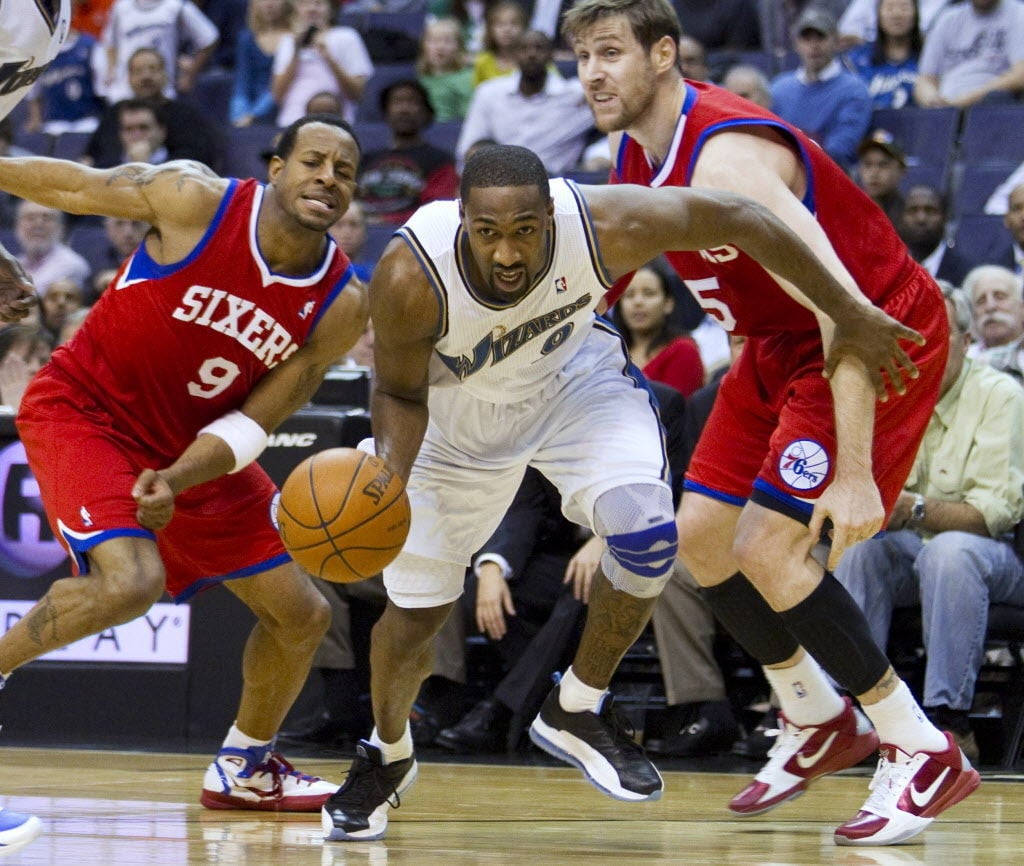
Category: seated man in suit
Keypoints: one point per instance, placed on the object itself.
(922, 226)
(947, 547)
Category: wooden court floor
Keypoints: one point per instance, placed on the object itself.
(104, 808)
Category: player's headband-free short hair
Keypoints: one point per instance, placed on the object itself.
(504, 165)
(650, 20)
(286, 143)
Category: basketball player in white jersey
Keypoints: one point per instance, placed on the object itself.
(31, 33)
(489, 357)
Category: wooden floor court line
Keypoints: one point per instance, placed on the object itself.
(104, 808)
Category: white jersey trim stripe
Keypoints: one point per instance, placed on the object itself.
(433, 277)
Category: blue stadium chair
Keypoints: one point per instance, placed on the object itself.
(372, 135)
(992, 134)
(377, 238)
(71, 145)
(929, 175)
(444, 135)
(369, 105)
(927, 135)
(211, 94)
(90, 242)
(720, 62)
(977, 184)
(566, 67)
(979, 237)
(243, 154)
(10, 241)
(39, 143)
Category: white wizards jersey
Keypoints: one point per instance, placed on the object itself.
(31, 33)
(501, 353)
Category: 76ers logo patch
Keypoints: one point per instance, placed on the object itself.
(804, 464)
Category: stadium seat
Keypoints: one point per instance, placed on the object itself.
(90, 242)
(39, 143)
(212, 94)
(372, 135)
(243, 156)
(369, 105)
(977, 183)
(444, 135)
(377, 238)
(979, 237)
(71, 145)
(927, 135)
(930, 175)
(720, 62)
(992, 134)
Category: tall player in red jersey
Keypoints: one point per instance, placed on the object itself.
(142, 431)
(787, 448)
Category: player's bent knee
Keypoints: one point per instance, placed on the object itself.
(639, 527)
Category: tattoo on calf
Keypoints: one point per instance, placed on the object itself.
(44, 615)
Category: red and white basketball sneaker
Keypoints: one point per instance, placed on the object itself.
(907, 793)
(260, 779)
(802, 754)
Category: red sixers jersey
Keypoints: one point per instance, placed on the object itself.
(729, 284)
(169, 348)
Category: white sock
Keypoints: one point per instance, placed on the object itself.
(900, 721)
(805, 694)
(238, 740)
(391, 752)
(575, 696)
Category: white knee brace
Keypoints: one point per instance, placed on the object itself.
(638, 523)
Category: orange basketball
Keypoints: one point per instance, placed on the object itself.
(343, 515)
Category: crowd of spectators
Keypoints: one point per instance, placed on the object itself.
(156, 80)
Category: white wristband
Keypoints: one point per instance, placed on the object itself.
(243, 436)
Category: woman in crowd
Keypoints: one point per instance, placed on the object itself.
(889, 64)
(267, 23)
(655, 346)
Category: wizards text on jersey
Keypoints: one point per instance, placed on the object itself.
(499, 344)
(239, 319)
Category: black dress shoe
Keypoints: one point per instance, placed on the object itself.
(712, 729)
(756, 744)
(320, 731)
(483, 729)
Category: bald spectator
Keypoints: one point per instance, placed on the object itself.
(750, 83)
(997, 303)
(974, 52)
(44, 255)
(922, 226)
(880, 169)
(824, 100)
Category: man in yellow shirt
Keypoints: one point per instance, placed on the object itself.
(947, 547)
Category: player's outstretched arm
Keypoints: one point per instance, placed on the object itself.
(406, 316)
(178, 194)
(645, 222)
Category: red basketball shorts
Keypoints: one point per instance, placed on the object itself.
(86, 469)
(772, 427)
